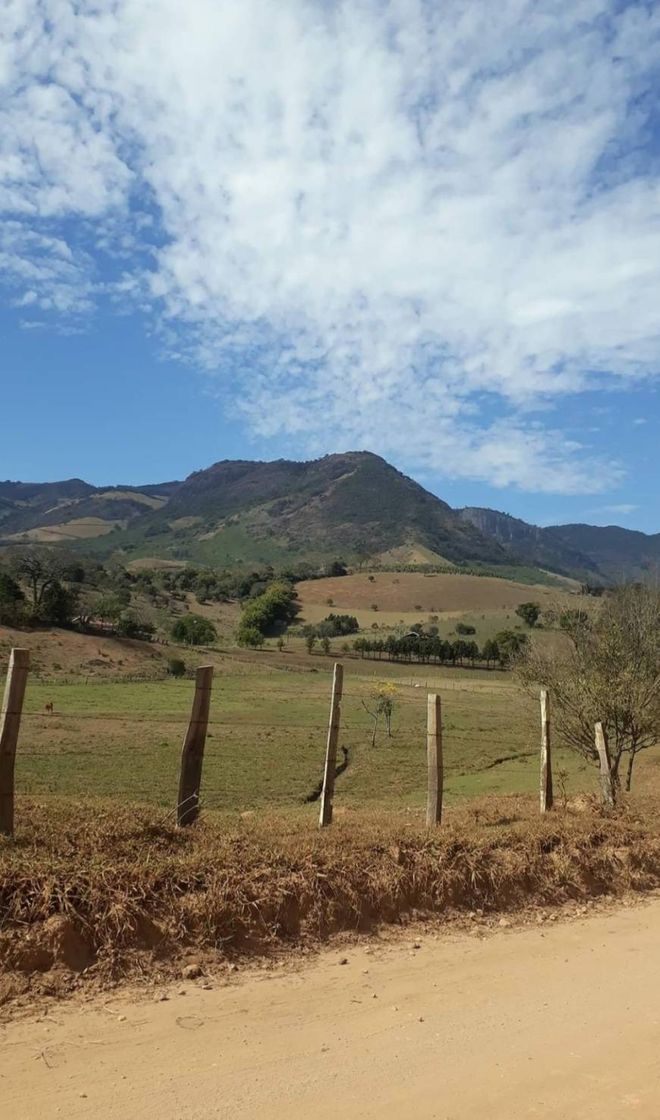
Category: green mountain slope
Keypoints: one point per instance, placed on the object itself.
(353, 505)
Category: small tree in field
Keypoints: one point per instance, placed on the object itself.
(310, 642)
(609, 671)
(381, 705)
(529, 612)
(280, 643)
(250, 637)
(325, 645)
(176, 667)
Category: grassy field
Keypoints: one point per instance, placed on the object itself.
(391, 600)
(267, 736)
(112, 735)
(432, 593)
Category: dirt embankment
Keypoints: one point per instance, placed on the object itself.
(92, 893)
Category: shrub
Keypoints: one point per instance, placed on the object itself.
(194, 630)
(276, 605)
(131, 626)
(176, 667)
(529, 612)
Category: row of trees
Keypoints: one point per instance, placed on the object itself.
(413, 647)
(211, 584)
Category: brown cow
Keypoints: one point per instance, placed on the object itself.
(49, 707)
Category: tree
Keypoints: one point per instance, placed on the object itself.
(607, 670)
(509, 646)
(131, 625)
(176, 667)
(465, 628)
(10, 591)
(109, 608)
(336, 568)
(40, 569)
(325, 645)
(194, 630)
(250, 637)
(280, 643)
(273, 608)
(57, 604)
(529, 612)
(11, 599)
(310, 642)
(382, 704)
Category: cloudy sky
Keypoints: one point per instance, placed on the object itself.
(285, 227)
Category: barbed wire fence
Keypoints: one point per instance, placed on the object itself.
(346, 730)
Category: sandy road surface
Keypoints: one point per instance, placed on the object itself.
(555, 1021)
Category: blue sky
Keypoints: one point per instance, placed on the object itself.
(258, 230)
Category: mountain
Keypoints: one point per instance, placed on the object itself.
(590, 552)
(618, 553)
(72, 510)
(353, 505)
(530, 543)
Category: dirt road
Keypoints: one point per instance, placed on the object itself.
(561, 1020)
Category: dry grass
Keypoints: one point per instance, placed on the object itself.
(434, 593)
(57, 654)
(118, 891)
(77, 529)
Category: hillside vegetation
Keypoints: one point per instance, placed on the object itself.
(352, 506)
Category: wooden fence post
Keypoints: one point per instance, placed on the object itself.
(10, 722)
(192, 754)
(606, 780)
(328, 791)
(434, 760)
(546, 757)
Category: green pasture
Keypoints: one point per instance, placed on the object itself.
(266, 738)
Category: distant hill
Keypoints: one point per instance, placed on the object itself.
(71, 510)
(354, 505)
(590, 552)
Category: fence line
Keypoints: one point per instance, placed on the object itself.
(190, 787)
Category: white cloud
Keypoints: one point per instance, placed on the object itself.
(620, 508)
(397, 224)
